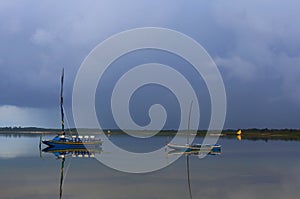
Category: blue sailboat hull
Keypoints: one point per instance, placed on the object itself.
(74, 145)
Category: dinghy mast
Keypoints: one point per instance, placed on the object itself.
(189, 121)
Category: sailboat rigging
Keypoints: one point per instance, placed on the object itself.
(64, 141)
(194, 147)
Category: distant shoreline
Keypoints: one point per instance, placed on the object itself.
(248, 134)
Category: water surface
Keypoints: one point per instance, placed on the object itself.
(245, 169)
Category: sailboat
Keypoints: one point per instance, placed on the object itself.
(64, 141)
(194, 147)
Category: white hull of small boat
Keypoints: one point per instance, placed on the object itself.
(178, 147)
(195, 147)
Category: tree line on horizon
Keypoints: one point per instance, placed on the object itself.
(165, 130)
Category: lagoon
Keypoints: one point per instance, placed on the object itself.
(245, 169)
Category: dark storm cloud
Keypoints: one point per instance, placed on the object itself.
(262, 67)
(37, 39)
(255, 45)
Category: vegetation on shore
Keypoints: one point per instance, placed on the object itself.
(265, 134)
(249, 134)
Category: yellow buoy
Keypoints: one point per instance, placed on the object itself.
(239, 134)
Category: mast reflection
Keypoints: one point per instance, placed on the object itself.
(64, 153)
(187, 155)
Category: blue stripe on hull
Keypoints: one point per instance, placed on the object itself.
(63, 145)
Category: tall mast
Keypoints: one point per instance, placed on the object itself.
(62, 103)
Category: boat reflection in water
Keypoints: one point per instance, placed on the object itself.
(65, 152)
(200, 153)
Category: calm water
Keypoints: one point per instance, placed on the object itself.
(245, 169)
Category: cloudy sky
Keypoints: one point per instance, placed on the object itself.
(255, 45)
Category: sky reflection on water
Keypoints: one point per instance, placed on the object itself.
(245, 169)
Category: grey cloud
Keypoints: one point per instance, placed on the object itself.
(42, 37)
(255, 45)
(237, 68)
(266, 44)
